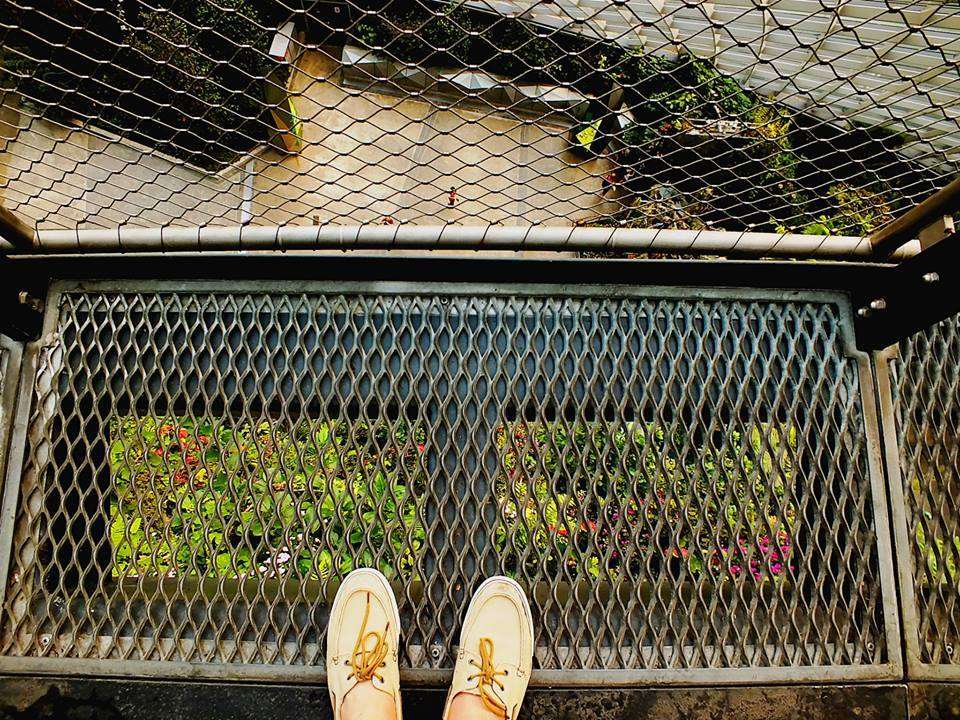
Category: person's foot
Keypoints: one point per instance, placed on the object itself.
(362, 640)
(495, 657)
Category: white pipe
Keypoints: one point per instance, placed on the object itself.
(246, 204)
(456, 237)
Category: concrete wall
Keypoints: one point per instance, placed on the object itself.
(366, 155)
(67, 177)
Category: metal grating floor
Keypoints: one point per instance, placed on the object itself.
(684, 486)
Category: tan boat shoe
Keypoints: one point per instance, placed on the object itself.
(496, 649)
(362, 638)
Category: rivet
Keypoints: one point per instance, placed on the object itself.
(878, 304)
(931, 277)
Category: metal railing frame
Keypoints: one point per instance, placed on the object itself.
(897, 560)
(872, 409)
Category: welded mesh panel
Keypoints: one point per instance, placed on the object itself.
(793, 116)
(927, 410)
(676, 483)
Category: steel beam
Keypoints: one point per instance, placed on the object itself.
(53, 698)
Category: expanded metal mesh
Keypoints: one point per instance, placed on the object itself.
(926, 401)
(678, 484)
(782, 116)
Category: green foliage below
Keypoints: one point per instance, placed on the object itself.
(205, 498)
(940, 551)
(184, 77)
(603, 500)
(236, 501)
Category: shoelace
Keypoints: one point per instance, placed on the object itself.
(366, 661)
(487, 678)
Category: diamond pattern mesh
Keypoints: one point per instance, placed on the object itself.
(926, 406)
(677, 483)
(788, 116)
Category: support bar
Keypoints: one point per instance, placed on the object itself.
(458, 237)
(917, 293)
(16, 232)
(908, 226)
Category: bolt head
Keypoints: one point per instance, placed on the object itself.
(931, 277)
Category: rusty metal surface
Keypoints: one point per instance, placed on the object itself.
(683, 486)
(933, 701)
(73, 699)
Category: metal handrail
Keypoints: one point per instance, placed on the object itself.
(893, 235)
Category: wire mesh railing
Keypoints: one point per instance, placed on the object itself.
(683, 487)
(924, 388)
(784, 117)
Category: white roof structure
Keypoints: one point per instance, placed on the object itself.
(875, 62)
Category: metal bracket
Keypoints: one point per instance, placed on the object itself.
(15, 231)
(920, 292)
(936, 231)
(21, 304)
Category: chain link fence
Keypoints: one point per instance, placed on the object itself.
(784, 117)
